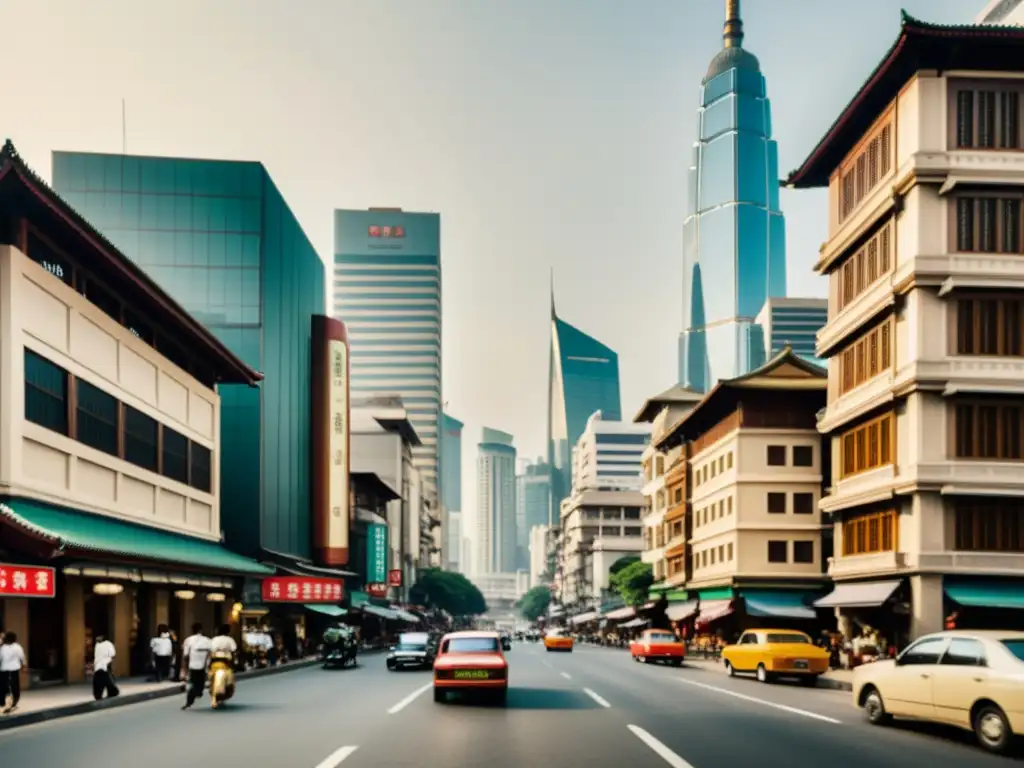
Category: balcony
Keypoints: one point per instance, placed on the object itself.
(965, 477)
(877, 563)
(862, 488)
(965, 373)
(980, 563)
(856, 402)
(963, 270)
(874, 300)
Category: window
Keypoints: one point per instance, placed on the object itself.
(678, 495)
(989, 524)
(867, 357)
(777, 551)
(990, 327)
(174, 456)
(728, 504)
(868, 446)
(870, 533)
(776, 455)
(988, 119)
(803, 551)
(803, 456)
(988, 224)
(728, 460)
(199, 472)
(988, 430)
(46, 393)
(1016, 647)
(863, 171)
(96, 418)
(103, 299)
(140, 439)
(927, 651)
(803, 503)
(867, 264)
(776, 503)
(728, 551)
(964, 652)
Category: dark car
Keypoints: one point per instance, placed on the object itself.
(414, 651)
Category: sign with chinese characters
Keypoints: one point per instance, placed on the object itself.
(27, 581)
(378, 231)
(395, 577)
(376, 554)
(338, 479)
(301, 589)
(377, 590)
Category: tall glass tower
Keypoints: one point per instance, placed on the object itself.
(734, 237)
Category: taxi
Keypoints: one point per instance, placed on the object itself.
(772, 653)
(471, 661)
(658, 645)
(558, 640)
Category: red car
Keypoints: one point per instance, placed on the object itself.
(471, 661)
(658, 645)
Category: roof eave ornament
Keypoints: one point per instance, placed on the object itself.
(732, 33)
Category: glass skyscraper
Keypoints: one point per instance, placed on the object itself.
(533, 499)
(451, 482)
(387, 291)
(734, 239)
(220, 238)
(583, 377)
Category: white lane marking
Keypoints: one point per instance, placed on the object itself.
(763, 702)
(596, 698)
(337, 757)
(659, 749)
(546, 663)
(410, 699)
(567, 676)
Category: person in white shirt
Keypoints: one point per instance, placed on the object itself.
(196, 653)
(12, 659)
(223, 643)
(162, 648)
(103, 654)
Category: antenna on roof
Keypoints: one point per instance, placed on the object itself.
(124, 128)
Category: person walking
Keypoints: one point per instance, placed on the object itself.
(196, 657)
(161, 648)
(103, 654)
(12, 659)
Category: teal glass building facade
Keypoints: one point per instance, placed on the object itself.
(734, 237)
(451, 463)
(220, 238)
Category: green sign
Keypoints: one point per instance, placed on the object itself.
(376, 554)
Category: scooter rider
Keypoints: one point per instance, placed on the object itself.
(223, 651)
(224, 646)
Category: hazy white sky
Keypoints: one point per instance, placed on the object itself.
(547, 133)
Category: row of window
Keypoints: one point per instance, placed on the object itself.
(870, 533)
(803, 456)
(712, 512)
(713, 468)
(991, 326)
(58, 401)
(778, 552)
(868, 263)
(723, 553)
(988, 119)
(867, 357)
(803, 503)
(989, 525)
(989, 225)
(989, 430)
(864, 171)
(868, 446)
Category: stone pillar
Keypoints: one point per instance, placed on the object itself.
(74, 629)
(926, 600)
(16, 620)
(121, 632)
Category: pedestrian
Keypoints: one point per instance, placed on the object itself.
(161, 647)
(12, 659)
(196, 653)
(175, 656)
(103, 654)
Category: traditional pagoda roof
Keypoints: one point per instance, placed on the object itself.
(21, 186)
(675, 395)
(919, 46)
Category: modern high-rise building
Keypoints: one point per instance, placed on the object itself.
(495, 503)
(792, 323)
(734, 237)
(608, 455)
(451, 484)
(533, 498)
(219, 237)
(466, 560)
(583, 377)
(387, 291)
(453, 534)
(1002, 13)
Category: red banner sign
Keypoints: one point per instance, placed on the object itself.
(377, 590)
(27, 581)
(302, 589)
(395, 578)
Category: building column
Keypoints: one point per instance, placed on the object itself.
(16, 620)
(161, 608)
(74, 630)
(121, 632)
(926, 600)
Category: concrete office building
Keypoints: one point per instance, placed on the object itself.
(792, 323)
(495, 503)
(533, 497)
(608, 454)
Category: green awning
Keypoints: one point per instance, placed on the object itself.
(73, 530)
(986, 594)
(326, 610)
(715, 593)
(357, 598)
(656, 590)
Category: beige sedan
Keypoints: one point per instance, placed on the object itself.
(970, 679)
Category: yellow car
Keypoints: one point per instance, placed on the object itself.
(558, 640)
(772, 653)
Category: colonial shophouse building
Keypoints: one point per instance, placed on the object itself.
(109, 444)
(925, 333)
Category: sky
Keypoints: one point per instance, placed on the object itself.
(551, 135)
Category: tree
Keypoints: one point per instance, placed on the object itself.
(622, 562)
(534, 603)
(449, 591)
(633, 582)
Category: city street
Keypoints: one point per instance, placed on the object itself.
(593, 706)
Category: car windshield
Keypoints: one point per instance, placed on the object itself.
(662, 637)
(412, 645)
(788, 637)
(1016, 647)
(472, 644)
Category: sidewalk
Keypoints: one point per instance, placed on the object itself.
(836, 679)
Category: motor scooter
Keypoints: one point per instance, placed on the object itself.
(222, 679)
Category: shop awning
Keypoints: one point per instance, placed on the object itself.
(713, 610)
(986, 594)
(778, 605)
(583, 618)
(326, 610)
(401, 615)
(620, 614)
(84, 532)
(681, 611)
(296, 567)
(867, 594)
(633, 624)
(383, 613)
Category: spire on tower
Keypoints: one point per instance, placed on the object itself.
(552, 281)
(732, 33)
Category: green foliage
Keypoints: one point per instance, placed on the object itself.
(623, 562)
(449, 591)
(534, 603)
(633, 582)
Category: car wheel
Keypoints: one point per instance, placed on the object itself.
(762, 674)
(677, 662)
(391, 667)
(642, 659)
(729, 670)
(501, 697)
(440, 696)
(992, 729)
(874, 708)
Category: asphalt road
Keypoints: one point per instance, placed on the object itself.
(591, 707)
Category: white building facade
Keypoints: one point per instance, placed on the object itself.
(495, 503)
